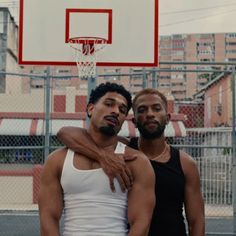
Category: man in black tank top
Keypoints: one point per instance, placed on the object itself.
(177, 177)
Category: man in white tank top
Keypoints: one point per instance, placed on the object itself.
(77, 185)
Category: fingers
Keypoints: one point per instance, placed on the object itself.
(115, 167)
(125, 180)
(121, 182)
(112, 185)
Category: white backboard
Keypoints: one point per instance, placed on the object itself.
(129, 26)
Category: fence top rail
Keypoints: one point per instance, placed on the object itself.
(196, 63)
(210, 129)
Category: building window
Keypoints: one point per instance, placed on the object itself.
(230, 43)
(231, 51)
(231, 35)
(205, 36)
(232, 59)
(165, 37)
(63, 71)
(204, 44)
(178, 53)
(178, 36)
(164, 85)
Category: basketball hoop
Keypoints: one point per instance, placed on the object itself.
(86, 50)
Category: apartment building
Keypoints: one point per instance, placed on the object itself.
(219, 47)
(8, 49)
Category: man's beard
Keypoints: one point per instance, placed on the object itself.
(147, 134)
(107, 130)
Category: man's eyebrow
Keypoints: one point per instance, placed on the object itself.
(143, 105)
(111, 99)
(114, 100)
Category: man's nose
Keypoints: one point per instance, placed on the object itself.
(150, 112)
(115, 109)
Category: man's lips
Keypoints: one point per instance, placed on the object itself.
(112, 120)
(151, 123)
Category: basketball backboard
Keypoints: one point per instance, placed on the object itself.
(130, 28)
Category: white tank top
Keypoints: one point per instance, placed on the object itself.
(90, 207)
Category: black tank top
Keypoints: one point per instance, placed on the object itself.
(167, 217)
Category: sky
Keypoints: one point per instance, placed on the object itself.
(196, 16)
(182, 16)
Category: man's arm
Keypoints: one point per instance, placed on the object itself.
(141, 198)
(113, 165)
(80, 141)
(50, 196)
(194, 204)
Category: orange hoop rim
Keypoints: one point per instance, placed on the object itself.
(88, 40)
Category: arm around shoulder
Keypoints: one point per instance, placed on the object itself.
(81, 142)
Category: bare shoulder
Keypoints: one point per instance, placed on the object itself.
(188, 164)
(57, 155)
(55, 160)
(141, 162)
(68, 129)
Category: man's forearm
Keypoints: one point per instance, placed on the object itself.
(197, 229)
(50, 227)
(139, 229)
(79, 141)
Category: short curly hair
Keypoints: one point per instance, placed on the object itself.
(104, 88)
(148, 91)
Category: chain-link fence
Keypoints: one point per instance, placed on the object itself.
(31, 116)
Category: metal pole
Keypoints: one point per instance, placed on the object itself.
(130, 79)
(233, 150)
(47, 113)
(154, 79)
(91, 85)
(144, 79)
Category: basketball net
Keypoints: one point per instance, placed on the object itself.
(86, 50)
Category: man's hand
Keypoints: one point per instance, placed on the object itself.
(114, 166)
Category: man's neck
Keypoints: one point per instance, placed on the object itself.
(102, 140)
(152, 147)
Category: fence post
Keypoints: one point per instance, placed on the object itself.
(92, 82)
(233, 150)
(47, 113)
(144, 78)
(154, 78)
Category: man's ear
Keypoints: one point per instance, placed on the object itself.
(134, 121)
(89, 109)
